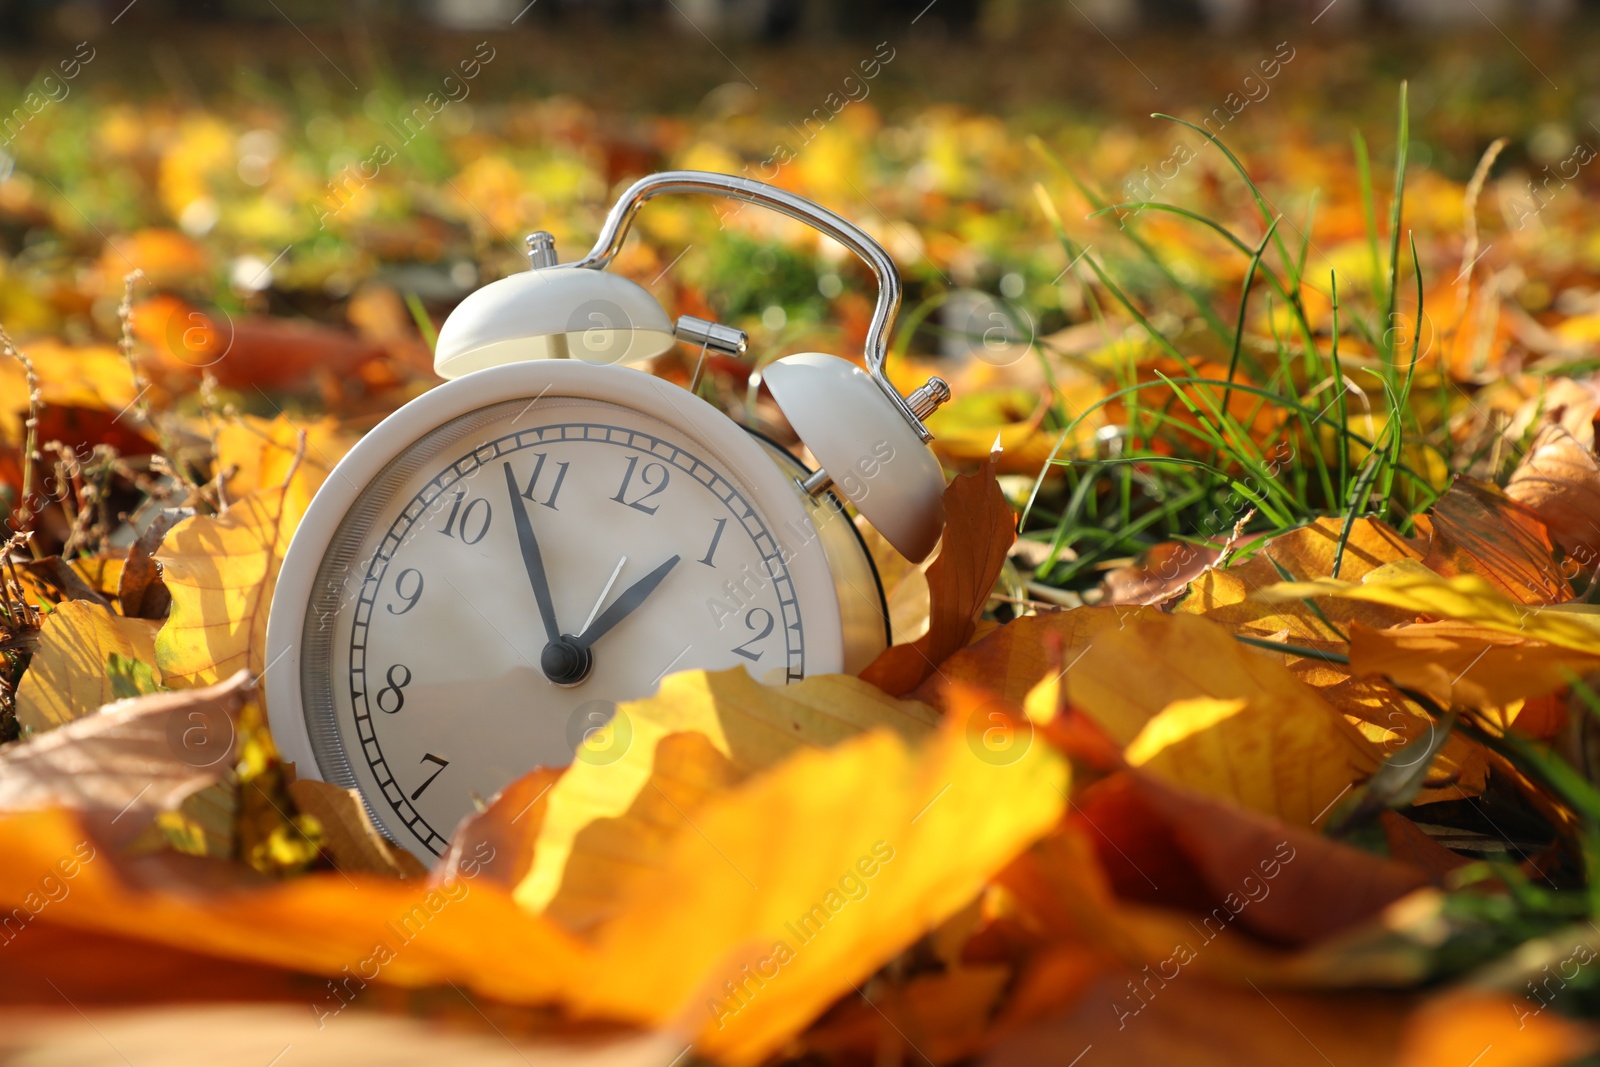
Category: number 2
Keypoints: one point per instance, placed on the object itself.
(750, 624)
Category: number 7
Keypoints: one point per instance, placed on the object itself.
(443, 763)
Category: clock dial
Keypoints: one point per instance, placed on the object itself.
(506, 580)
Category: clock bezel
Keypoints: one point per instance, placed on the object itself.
(771, 491)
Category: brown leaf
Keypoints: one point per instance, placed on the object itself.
(1410, 845)
(1477, 529)
(979, 529)
(499, 841)
(137, 758)
(68, 581)
(348, 835)
(1161, 573)
(945, 1017)
(1559, 479)
(140, 592)
(1285, 884)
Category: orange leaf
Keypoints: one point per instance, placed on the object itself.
(355, 928)
(1010, 660)
(979, 529)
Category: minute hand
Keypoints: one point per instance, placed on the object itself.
(625, 604)
(532, 560)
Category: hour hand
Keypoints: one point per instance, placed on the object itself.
(625, 604)
(531, 559)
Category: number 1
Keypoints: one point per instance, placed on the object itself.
(716, 537)
(538, 468)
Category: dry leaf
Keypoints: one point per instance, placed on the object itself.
(254, 1035)
(752, 725)
(1012, 659)
(610, 852)
(68, 676)
(1202, 1024)
(1277, 747)
(1477, 529)
(1384, 717)
(402, 932)
(133, 760)
(1465, 663)
(221, 573)
(497, 844)
(979, 529)
(943, 1017)
(268, 453)
(1467, 598)
(348, 835)
(1559, 479)
(1161, 573)
(795, 886)
(140, 592)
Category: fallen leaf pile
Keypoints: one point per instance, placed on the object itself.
(1217, 731)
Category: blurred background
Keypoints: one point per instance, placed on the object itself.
(308, 188)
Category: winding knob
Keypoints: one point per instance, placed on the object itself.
(927, 397)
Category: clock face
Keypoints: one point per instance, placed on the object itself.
(508, 578)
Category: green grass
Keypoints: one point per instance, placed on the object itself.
(1188, 461)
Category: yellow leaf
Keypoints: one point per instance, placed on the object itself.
(1468, 598)
(786, 892)
(1228, 596)
(67, 677)
(263, 453)
(752, 725)
(1205, 712)
(221, 572)
(1463, 663)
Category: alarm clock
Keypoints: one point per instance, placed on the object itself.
(499, 563)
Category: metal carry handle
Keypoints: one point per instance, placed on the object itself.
(847, 233)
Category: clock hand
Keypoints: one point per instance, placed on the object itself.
(600, 601)
(532, 560)
(624, 605)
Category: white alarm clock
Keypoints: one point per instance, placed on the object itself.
(496, 565)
